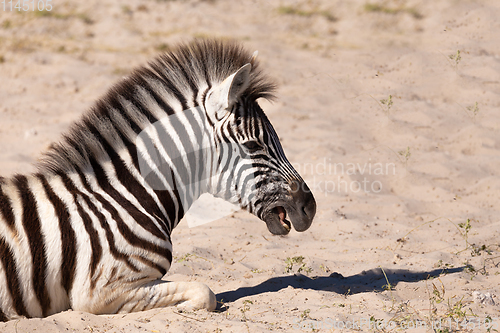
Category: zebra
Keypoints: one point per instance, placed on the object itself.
(90, 229)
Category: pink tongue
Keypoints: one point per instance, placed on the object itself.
(281, 213)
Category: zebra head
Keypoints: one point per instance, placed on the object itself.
(252, 169)
(220, 142)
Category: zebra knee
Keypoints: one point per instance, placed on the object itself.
(200, 297)
(210, 302)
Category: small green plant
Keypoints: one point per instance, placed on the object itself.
(405, 154)
(471, 111)
(162, 47)
(246, 305)
(244, 309)
(190, 256)
(379, 8)
(305, 314)
(456, 310)
(474, 110)
(374, 322)
(324, 268)
(221, 306)
(387, 286)
(441, 264)
(85, 18)
(438, 295)
(52, 14)
(469, 269)
(127, 10)
(477, 250)
(387, 102)
(293, 10)
(299, 260)
(456, 57)
(443, 330)
(184, 257)
(466, 226)
(464, 229)
(374, 7)
(44, 13)
(6, 24)
(488, 321)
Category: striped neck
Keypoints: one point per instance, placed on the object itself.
(176, 158)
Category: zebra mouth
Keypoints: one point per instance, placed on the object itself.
(276, 221)
(282, 215)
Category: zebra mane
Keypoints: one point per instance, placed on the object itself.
(212, 61)
(187, 68)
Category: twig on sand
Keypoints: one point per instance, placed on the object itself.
(183, 315)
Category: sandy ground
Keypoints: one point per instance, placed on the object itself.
(389, 110)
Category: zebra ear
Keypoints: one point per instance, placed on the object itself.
(223, 97)
(254, 57)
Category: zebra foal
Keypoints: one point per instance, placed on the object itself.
(90, 230)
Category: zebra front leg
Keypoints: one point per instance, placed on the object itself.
(188, 296)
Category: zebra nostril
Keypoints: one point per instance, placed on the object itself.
(304, 200)
(309, 209)
(304, 212)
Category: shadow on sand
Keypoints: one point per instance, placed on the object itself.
(366, 281)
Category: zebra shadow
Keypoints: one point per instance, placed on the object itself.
(366, 281)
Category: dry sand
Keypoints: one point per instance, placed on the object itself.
(391, 113)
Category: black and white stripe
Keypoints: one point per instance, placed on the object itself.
(91, 229)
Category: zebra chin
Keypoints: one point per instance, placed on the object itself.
(300, 216)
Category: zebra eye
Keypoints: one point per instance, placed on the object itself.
(252, 146)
